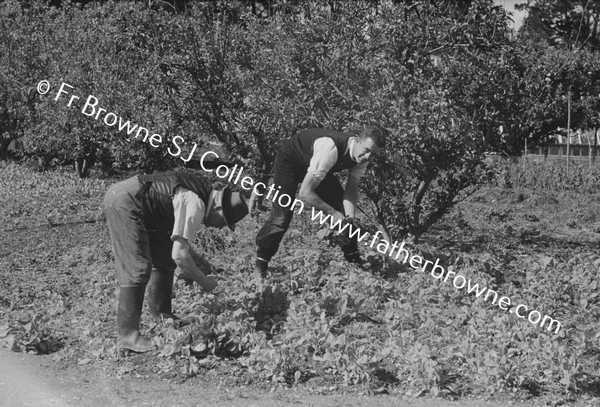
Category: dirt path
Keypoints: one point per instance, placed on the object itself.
(27, 380)
(22, 384)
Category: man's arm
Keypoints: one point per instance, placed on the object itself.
(351, 191)
(308, 195)
(201, 261)
(351, 196)
(182, 256)
(189, 215)
(324, 157)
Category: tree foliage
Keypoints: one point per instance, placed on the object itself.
(442, 76)
(557, 58)
(565, 23)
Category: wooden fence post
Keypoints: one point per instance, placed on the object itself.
(590, 150)
(595, 145)
(525, 155)
(568, 129)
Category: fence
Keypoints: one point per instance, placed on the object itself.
(580, 153)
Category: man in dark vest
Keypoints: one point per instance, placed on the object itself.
(310, 158)
(153, 220)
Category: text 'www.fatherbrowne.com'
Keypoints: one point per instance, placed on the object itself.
(91, 108)
(398, 252)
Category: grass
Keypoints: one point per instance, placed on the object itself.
(318, 322)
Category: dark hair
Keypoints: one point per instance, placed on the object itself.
(376, 132)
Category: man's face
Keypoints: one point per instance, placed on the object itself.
(365, 150)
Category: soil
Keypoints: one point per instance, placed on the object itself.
(31, 380)
(57, 295)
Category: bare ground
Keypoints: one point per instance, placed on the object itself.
(30, 380)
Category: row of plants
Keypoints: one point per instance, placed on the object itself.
(316, 321)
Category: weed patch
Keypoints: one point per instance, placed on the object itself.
(317, 321)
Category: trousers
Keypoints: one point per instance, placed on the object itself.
(135, 248)
(287, 175)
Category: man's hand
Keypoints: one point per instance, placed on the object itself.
(356, 225)
(335, 238)
(332, 235)
(307, 194)
(208, 283)
(338, 216)
(201, 262)
(185, 262)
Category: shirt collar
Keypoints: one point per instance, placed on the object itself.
(351, 146)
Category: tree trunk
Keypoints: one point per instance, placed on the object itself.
(415, 211)
(83, 165)
(256, 200)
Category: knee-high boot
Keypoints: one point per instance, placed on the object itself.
(131, 300)
(160, 293)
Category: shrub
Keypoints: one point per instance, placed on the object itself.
(251, 84)
(116, 62)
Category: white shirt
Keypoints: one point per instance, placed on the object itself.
(325, 155)
(189, 214)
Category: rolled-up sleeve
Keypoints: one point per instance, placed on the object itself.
(189, 214)
(324, 157)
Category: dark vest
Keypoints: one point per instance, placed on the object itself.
(157, 201)
(298, 150)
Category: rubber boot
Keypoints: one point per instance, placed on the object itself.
(131, 300)
(160, 294)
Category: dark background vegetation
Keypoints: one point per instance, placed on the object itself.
(450, 82)
(447, 78)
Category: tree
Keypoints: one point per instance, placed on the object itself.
(563, 22)
(556, 50)
(426, 72)
(441, 97)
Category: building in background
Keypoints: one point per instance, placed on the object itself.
(517, 15)
(581, 146)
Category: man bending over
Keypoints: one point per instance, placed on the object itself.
(311, 158)
(152, 220)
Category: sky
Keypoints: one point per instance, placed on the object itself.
(517, 16)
